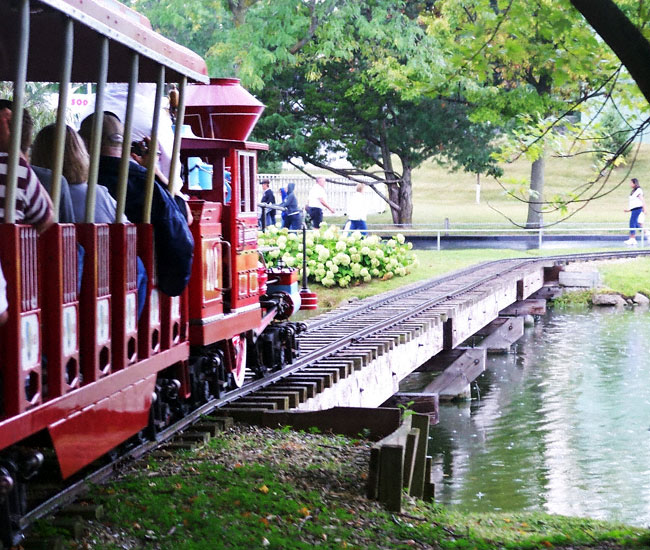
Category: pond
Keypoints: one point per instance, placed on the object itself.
(561, 424)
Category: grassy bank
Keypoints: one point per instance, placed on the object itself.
(626, 277)
(256, 488)
(440, 194)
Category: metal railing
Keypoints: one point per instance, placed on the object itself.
(494, 230)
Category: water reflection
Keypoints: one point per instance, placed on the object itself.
(563, 424)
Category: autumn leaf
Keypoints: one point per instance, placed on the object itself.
(263, 489)
(304, 512)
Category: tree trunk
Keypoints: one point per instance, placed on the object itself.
(535, 218)
(389, 172)
(393, 195)
(406, 196)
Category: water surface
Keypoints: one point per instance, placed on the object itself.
(562, 424)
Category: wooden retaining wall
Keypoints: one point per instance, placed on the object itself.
(399, 463)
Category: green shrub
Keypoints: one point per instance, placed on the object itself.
(336, 257)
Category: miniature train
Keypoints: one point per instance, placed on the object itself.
(81, 375)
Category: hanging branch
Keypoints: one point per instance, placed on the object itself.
(353, 175)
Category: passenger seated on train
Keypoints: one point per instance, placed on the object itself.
(76, 163)
(44, 174)
(3, 299)
(33, 205)
(174, 244)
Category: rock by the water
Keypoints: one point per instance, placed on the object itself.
(641, 300)
(608, 299)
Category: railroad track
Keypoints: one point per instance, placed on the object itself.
(332, 347)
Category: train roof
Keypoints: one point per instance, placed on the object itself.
(127, 30)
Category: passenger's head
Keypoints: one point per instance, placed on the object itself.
(28, 125)
(291, 187)
(320, 181)
(112, 133)
(75, 156)
(265, 184)
(360, 187)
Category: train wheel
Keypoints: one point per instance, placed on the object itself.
(238, 345)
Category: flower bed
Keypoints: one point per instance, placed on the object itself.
(336, 257)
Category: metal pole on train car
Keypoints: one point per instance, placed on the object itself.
(178, 130)
(59, 139)
(96, 137)
(17, 118)
(123, 174)
(153, 147)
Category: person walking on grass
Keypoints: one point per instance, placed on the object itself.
(636, 205)
(316, 202)
(358, 210)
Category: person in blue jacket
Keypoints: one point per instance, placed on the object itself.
(293, 219)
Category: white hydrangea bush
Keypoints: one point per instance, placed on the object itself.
(336, 257)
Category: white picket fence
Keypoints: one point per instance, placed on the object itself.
(337, 189)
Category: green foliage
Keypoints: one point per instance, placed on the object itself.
(339, 258)
(577, 299)
(37, 102)
(614, 137)
(405, 409)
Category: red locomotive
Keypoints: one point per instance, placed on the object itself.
(80, 374)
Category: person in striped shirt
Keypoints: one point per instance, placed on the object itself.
(33, 205)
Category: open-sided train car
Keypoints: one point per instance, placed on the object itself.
(80, 374)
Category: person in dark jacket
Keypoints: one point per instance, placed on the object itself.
(174, 244)
(267, 198)
(294, 216)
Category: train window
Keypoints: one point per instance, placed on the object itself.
(244, 191)
(247, 182)
(252, 181)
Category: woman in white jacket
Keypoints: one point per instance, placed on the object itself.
(636, 205)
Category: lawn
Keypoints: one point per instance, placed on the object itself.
(439, 194)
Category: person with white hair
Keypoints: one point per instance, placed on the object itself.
(357, 210)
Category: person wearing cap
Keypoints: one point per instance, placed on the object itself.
(267, 198)
(33, 205)
(174, 245)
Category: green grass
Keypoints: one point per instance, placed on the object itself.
(440, 194)
(629, 277)
(246, 491)
(433, 263)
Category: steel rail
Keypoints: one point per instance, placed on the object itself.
(69, 493)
